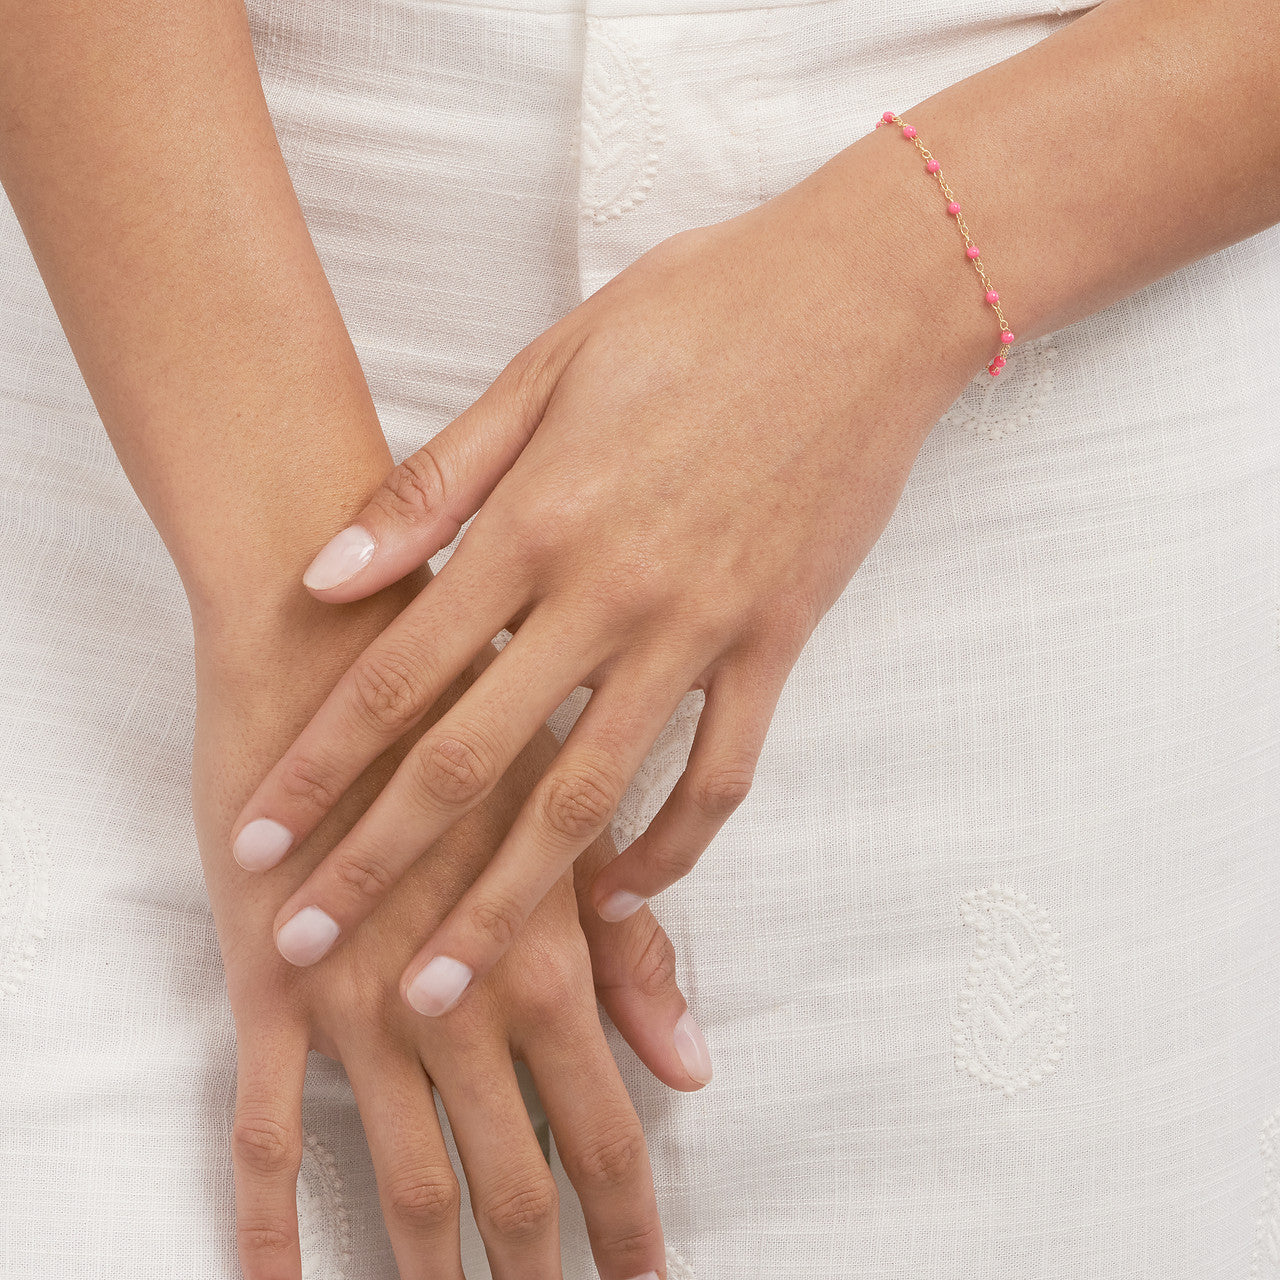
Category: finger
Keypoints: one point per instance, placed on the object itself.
(417, 1187)
(513, 1195)
(266, 1149)
(600, 1143)
(425, 500)
(445, 775)
(634, 967)
(380, 697)
(567, 810)
(716, 779)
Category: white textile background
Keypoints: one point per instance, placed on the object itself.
(990, 961)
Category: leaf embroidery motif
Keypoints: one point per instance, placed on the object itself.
(1266, 1248)
(1012, 1016)
(621, 133)
(24, 890)
(999, 407)
(323, 1223)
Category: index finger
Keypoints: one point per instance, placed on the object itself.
(381, 696)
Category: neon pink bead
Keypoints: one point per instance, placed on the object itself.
(971, 251)
(1006, 337)
(992, 296)
(933, 166)
(908, 131)
(998, 362)
(993, 369)
(887, 117)
(953, 208)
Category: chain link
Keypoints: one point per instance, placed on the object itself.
(998, 361)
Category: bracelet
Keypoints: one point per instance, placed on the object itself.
(970, 249)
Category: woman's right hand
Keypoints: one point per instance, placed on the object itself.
(536, 1007)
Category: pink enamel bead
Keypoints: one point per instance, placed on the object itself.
(992, 296)
(887, 117)
(993, 369)
(932, 167)
(953, 208)
(1006, 337)
(971, 252)
(998, 362)
(908, 131)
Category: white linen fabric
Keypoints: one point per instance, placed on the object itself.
(989, 962)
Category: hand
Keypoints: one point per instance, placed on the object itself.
(674, 483)
(536, 1006)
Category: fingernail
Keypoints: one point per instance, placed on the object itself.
(692, 1049)
(307, 936)
(618, 906)
(343, 556)
(439, 986)
(261, 844)
(648, 1275)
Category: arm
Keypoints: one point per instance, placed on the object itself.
(765, 384)
(136, 148)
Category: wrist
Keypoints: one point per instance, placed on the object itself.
(883, 222)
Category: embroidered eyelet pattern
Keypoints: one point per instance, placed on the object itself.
(1266, 1248)
(323, 1224)
(1000, 407)
(658, 774)
(24, 891)
(621, 132)
(1013, 1013)
(677, 1267)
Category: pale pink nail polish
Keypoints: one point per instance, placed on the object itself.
(343, 556)
(692, 1049)
(648, 1275)
(304, 938)
(439, 986)
(261, 844)
(618, 906)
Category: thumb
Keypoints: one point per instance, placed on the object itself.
(633, 963)
(426, 499)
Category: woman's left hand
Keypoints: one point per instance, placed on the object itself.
(673, 484)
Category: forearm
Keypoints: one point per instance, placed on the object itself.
(1140, 137)
(138, 152)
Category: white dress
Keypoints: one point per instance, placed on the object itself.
(989, 963)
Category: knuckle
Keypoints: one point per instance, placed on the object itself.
(362, 876)
(559, 985)
(265, 1240)
(416, 487)
(654, 968)
(266, 1146)
(497, 919)
(427, 1200)
(611, 1159)
(389, 689)
(522, 1214)
(720, 788)
(636, 1243)
(308, 781)
(577, 802)
(451, 773)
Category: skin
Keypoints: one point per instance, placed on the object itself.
(764, 384)
(138, 153)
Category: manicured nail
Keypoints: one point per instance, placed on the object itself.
(648, 1275)
(439, 986)
(618, 906)
(303, 939)
(343, 556)
(261, 844)
(692, 1049)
